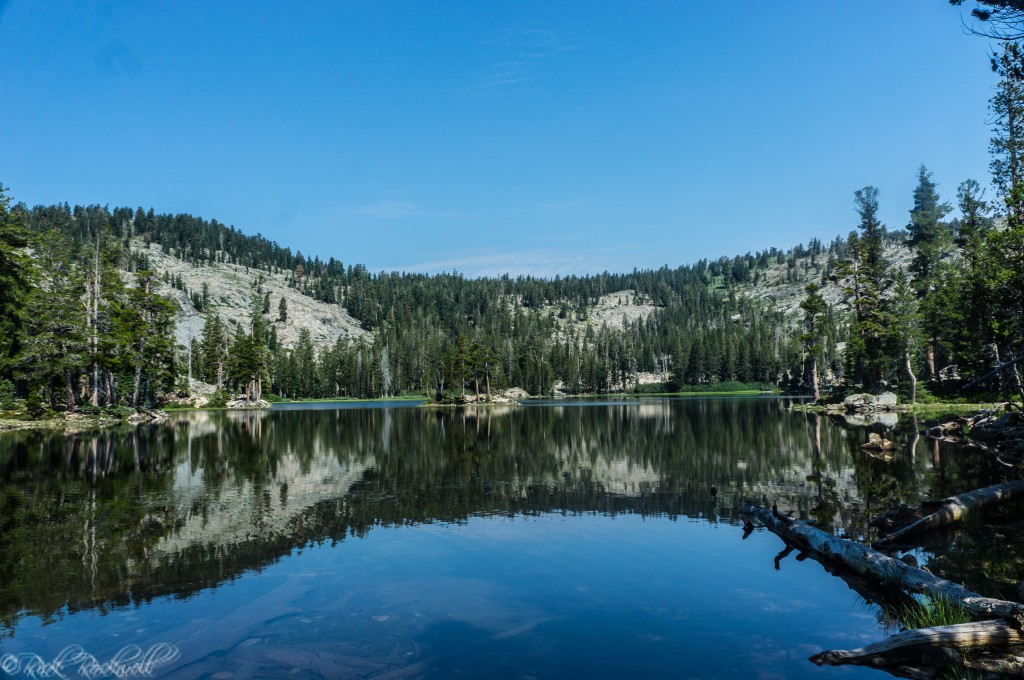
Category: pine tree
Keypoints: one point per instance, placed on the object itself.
(240, 365)
(931, 241)
(905, 330)
(814, 307)
(54, 336)
(195, 359)
(104, 290)
(972, 280)
(305, 364)
(146, 327)
(1007, 143)
(15, 280)
(1007, 148)
(260, 355)
(214, 349)
(865, 273)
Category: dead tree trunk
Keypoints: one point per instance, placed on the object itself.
(909, 365)
(958, 508)
(138, 385)
(94, 314)
(111, 387)
(880, 568)
(69, 392)
(814, 378)
(932, 373)
(910, 646)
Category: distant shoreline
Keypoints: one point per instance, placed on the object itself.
(90, 423)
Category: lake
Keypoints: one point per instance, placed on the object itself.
(571, 539)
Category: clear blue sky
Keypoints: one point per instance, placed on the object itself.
(528, 137)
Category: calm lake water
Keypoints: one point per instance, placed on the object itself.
(555, 540)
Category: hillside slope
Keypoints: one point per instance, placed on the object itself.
(785, 296)
(232, 290)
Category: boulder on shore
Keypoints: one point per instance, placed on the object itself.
(868, 403)
(244, 403)
(516, 393)
(493, 399)
(146, 415)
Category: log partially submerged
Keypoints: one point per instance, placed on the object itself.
(908, 647)
(880, 568)
(992, 643)
(957, 508)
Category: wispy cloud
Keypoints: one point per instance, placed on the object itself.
(571, 204)
(507, 73)
(536, 262)
(534, 40)
(387, 210)
(524, 53)
(397, 209)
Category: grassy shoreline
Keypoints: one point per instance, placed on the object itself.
(13, 421)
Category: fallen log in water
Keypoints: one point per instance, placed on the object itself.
(957, 508)
(880, 568)
(912, 647)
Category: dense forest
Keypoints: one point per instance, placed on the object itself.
(84, 326)
(431, 333)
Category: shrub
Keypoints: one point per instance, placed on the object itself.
(651, 388)
(7, 395)
(119, 411)
(34, 404)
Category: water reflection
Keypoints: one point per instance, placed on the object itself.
(100, 521)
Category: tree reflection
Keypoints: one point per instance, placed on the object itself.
(121, 517)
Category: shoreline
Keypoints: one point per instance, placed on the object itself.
(929, 408)
(81, 423)
(11, 422)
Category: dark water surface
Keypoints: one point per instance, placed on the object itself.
(345, 404)
(554, 540)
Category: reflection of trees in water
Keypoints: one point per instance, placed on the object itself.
(74, 513)
(119, 517)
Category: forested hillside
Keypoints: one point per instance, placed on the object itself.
(103, 307)
(415, 332)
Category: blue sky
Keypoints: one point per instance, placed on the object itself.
(527, 137)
